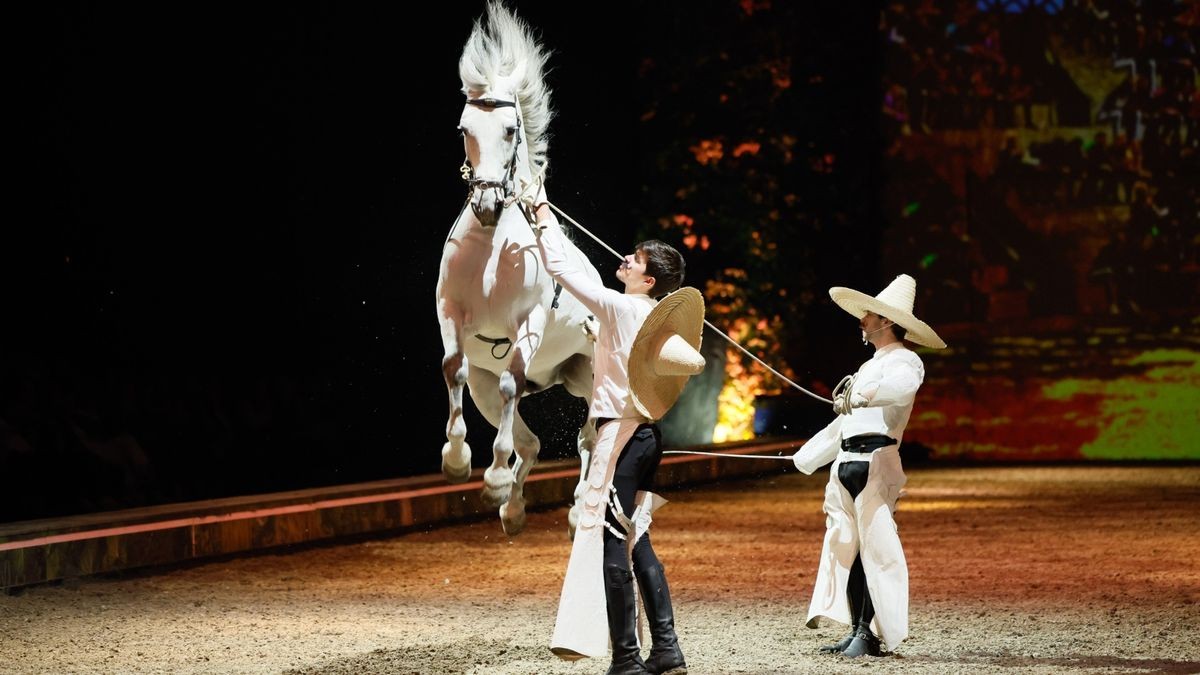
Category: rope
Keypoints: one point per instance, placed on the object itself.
(718, 331)
(724, 454)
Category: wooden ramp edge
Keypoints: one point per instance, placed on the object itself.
(38, 551)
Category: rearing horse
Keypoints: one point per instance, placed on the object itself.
(507, 331)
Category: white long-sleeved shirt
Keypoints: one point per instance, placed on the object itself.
(620, 316)
(889, 381)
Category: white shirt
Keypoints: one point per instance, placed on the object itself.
(889, 381)
(620, 316)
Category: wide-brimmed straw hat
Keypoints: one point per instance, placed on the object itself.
(895, 303)
(666, 353)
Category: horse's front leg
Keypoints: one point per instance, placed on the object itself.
(456, 454)
(502, 485)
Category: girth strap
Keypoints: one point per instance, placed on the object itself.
(496, 342)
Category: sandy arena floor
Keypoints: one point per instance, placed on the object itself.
(1030, 570)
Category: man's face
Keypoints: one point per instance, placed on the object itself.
(632, 273)
(871, 322)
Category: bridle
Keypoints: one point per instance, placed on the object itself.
(468, 172)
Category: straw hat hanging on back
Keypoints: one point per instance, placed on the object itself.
(666, 353)
(895, 303)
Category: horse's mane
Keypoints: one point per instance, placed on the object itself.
(502, 54)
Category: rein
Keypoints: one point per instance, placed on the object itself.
(716, 330)
(724, 454)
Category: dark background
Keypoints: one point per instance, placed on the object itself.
(219, 269)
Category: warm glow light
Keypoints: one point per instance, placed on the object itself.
(735, 403)
(747, 148)
(744, 379)
(707, 151)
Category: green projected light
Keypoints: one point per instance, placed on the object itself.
(1154, 414)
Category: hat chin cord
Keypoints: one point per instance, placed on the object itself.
(866, 333)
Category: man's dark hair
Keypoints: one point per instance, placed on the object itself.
(663, 263)
(897, 329)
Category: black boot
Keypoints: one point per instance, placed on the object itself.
(864, 643)
(859, 597)
(622, 622)
(839, 647)
(665, 656)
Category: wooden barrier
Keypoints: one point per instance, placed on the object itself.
(38, 551)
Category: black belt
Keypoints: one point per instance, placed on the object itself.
(867, 442)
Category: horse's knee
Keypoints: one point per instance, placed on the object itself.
(454, 369)
(512, 384)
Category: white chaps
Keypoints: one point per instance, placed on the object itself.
(864, 525)
(581, 628)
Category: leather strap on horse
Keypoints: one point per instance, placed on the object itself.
(496, 342)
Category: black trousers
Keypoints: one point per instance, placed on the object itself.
(635, 471)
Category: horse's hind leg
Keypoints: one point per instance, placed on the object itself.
(498, 478)
(485, 392)
(577, 379)
(456, 454)
(512, 512)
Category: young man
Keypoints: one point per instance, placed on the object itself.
(640, 337)
(863, 442)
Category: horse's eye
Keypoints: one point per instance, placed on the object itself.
(509, 131)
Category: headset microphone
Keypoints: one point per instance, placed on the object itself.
(865, 334)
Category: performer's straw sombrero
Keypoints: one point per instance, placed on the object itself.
(665, 352)
(895, 303)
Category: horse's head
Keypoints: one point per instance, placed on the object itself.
(507, 112)
(491, 130)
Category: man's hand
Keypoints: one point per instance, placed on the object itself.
(536, 207)
(841, 404)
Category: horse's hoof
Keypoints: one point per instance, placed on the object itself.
(456, 474)
(512, 519)
(497, 486)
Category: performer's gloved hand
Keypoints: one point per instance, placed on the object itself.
(534, 204)
(841, 393)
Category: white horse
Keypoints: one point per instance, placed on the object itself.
(506, 329)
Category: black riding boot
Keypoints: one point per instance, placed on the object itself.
(665, 655)
(864, 642)
(861, 608)
(622, 622)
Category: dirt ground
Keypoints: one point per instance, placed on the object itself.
(1031, 570)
